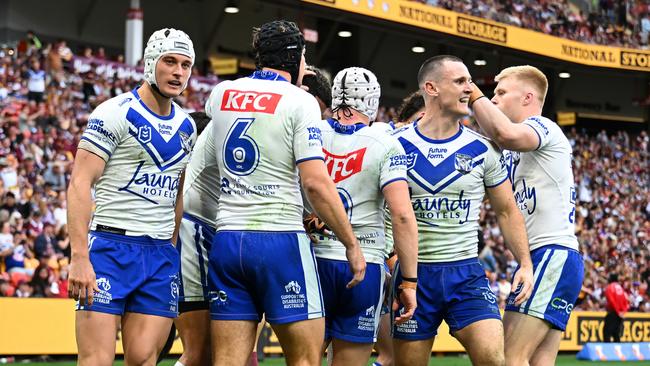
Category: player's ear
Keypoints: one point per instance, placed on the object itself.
(431, 88)
(528, 98)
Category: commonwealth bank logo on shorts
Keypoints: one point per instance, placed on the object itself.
(293, 299)
(103, 296)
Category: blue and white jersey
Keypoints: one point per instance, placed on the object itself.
(263, 127)
(361, 161)
(447, 179)
(201, 187)
(145, 155)
(543, 184)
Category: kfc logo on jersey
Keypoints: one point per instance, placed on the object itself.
(249, 101)
(342, 167)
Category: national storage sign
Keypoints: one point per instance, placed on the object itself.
(445, 21)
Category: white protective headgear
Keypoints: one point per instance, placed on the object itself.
(161, 42)
(357, 88)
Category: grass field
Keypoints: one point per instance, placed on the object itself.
(563, 360)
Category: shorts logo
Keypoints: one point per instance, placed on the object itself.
(292, 287)
(463, 163)
(561, 305)
(222, 296)
(342, 167)
(489, 295)
(370, 312)
(103, 296)
(144, 134)
(174, 289)
(249, 101)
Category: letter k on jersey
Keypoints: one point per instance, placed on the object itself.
(249, 101)
(342, 167)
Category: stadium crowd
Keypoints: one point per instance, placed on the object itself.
(609, 22)
(44, 105)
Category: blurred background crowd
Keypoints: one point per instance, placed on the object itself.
(624, 23)
(47, 93)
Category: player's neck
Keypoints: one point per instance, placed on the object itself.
(437, 126)
(527, 112)
(352, 119)
(282, 73)
(157, 103)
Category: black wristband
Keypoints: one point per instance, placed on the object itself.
(410, 279)
(471, 103)
(391, 255)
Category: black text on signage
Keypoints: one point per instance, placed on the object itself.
(482, 30)
(635, 59)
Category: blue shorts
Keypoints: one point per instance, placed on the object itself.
(134, 274)
(558, 280)
(194, 242)
(456, 292)
(351, 314)
(264, 272)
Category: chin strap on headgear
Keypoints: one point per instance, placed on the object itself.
(279, 45)
(161, 42)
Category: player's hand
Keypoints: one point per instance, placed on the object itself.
(406, 298)
(476, 94)
(314, 227)
(307, 72)
(522, 284)
(357, 265)
(82, 282)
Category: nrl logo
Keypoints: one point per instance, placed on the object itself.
(463, 163)
(144, 134)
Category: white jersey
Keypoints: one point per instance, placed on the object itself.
(447, 179)
(201, 188)
(544, 188)
(145, 155)
(263, 127)
(361, 161)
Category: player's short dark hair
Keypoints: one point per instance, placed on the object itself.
(432, 65)
(319, 85)
(201, 119)
(410, 105)
(613, 277)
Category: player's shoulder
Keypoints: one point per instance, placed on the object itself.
(545, 124)
(477, 136)
(403, 131)
(118, 104)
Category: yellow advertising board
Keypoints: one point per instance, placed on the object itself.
(46, 326)
(466, 26)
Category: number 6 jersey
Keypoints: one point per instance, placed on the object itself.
(263, 127)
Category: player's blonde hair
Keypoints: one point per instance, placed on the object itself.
(528, 74)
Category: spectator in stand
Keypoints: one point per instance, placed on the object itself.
(35, 81)
(617, 306)
(55, 176)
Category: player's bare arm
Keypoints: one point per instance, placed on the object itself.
(323, 197)
(513, 228)
(498, 127)
(405, 233)
(178, 209)
(87, 169)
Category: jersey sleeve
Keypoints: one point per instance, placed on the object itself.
(543, 131)
(496, 171)
(104, 131)
(209, 104)
(393, 165)
(307, 140)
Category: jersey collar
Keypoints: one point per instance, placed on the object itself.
(267, 75)
(345, 129)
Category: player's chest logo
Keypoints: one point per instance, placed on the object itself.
(144, 134)
(463, 163)
(341, 167)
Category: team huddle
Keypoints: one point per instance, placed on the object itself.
(338, 232)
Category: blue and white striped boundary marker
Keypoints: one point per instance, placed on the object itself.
(615, 352)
